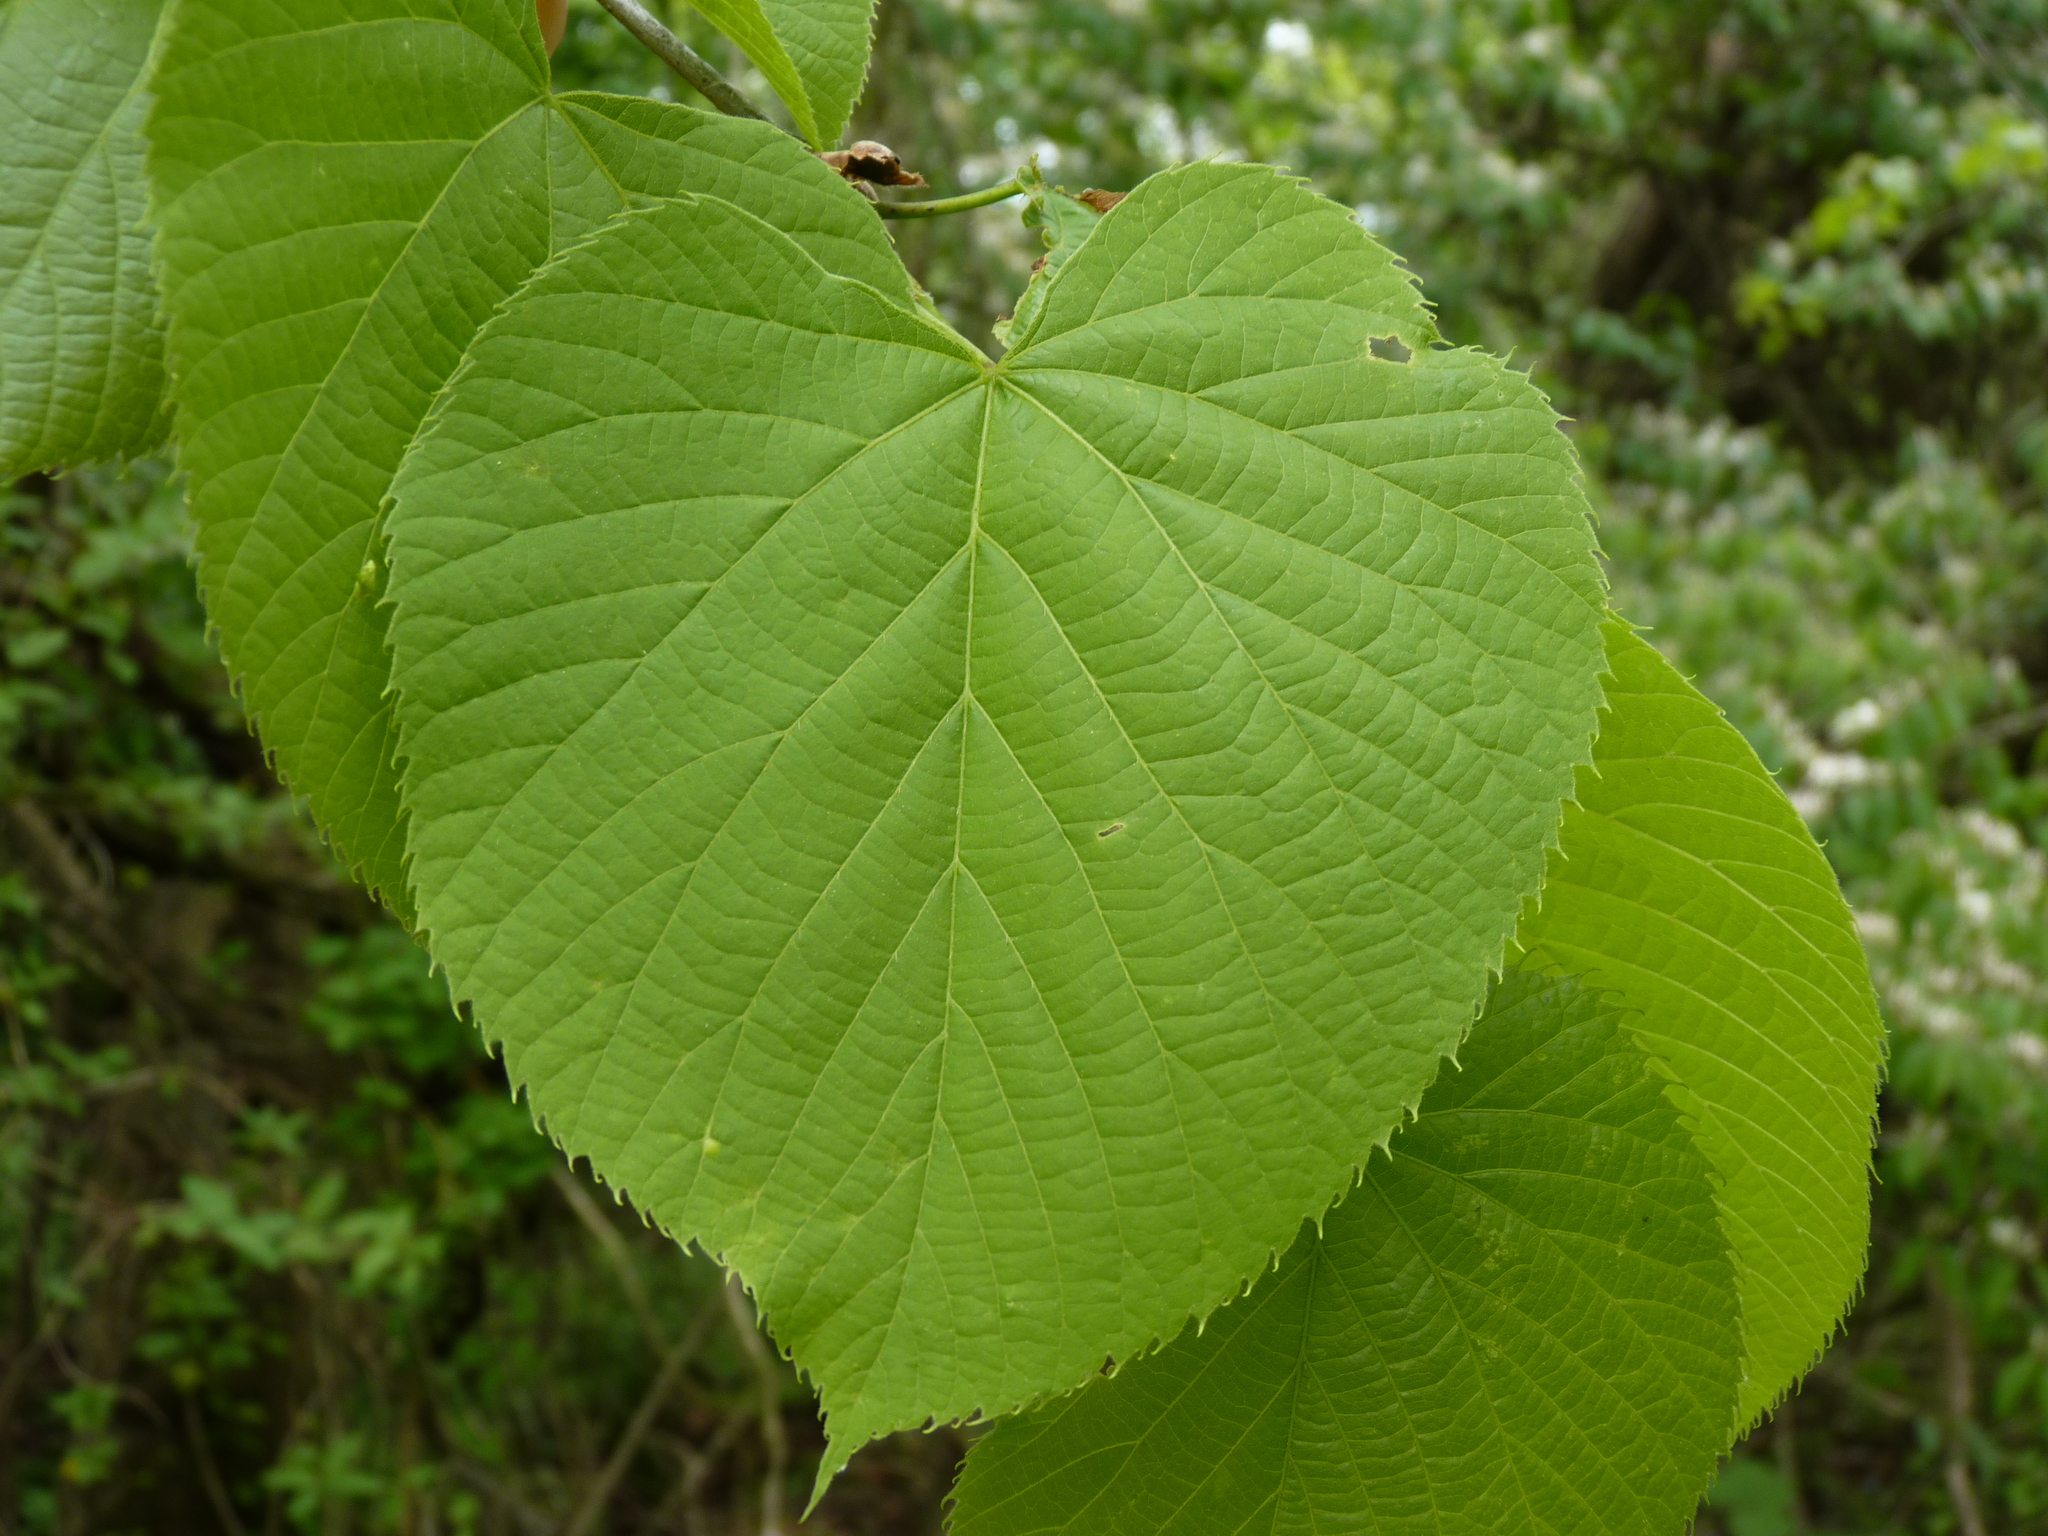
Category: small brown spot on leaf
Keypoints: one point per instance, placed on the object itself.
(1102, 201)
(871, 162)
(1111, 830)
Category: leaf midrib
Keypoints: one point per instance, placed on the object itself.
(632, 671)
(1347, 800)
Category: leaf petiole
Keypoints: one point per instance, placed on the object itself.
(682, 58)
(939, 205)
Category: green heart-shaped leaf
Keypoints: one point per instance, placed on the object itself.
(985, 849)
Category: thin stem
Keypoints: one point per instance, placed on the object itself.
(1785, 1442)
(599, 1494)
(939, 205)
(209, 1470)
(1992, 62)
(682, 58)
(615, 1250)
(1959, 1393)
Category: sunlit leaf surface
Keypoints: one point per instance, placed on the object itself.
(986, 849)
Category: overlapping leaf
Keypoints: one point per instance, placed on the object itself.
(81, 349)
(985, 849)
(747, 25)
(345, 193)
(828, 42)
(813, 53)
(1686, 885)
(1524, 1322)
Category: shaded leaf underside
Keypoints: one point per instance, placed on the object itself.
(81, 349)
(985, 850)
(1686, 886)
(1524, 1321)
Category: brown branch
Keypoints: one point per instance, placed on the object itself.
(52, 1318)
(480, 1481)
(1958, 1392)
(682, 58)
(1785, 1445)
(81, 904)
(2002, 728)
(769, 1380)
(616, 1251)
(1991, 62)
(599, 1494)
(209, 1471)
(686, 1495)
(29, 1323)
(1890, 1404)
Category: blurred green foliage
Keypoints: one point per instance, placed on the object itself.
(282, 1251)
(283, 1254)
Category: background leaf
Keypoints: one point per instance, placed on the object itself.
(1524, 1321)
(1062, 222)
(342, 201)
(1687, 886)
(984, 849)
(829, 41)
(745, 22)
(81, 349)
